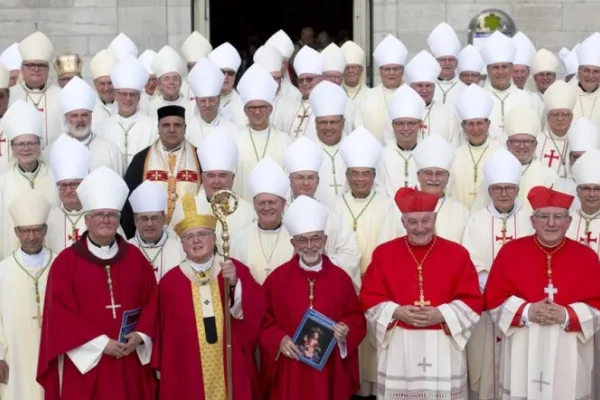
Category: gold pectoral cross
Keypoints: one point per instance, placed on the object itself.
(311, 292)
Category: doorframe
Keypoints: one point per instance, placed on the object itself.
(201, 17)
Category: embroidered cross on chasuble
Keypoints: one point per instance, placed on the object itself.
(182, 176)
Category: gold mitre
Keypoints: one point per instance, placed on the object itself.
(191, 218)
(68, 63)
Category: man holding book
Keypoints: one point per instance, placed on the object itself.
(100, 307)
(310, 294)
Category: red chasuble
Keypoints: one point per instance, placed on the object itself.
(520, 270)
(75, 312)
(287, 290)
(179, 351)
(448, 275)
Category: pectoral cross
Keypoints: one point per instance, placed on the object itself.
(38, 317)
(504, 238)
(311, 292)
(2, 140)
(335, 186)
(550, 290)
(302, 117)
(551, 157)
(74, 236)
(587, 239)
(112, 305)
(422, 302)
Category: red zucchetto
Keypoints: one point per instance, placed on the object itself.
(541, 196)
(410, 200)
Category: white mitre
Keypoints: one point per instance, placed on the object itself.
(147, 58)
(150, 196)
(544, 61)
(474, 103)
(521, 120)
(11, 57)
(390, 51)
(269, 57)
(206, 79)
(103, 188)
(282, 41)
(36, 46)
(354, 54)
(257, 84)
(303, 155)
(195, 47)
(502, 167)
(123, 47)
(569, 59)
(443, 41)
(77, 95)
(327, 99)
(22, 118)
(309, 61)
(433, 152)
(422, 68)
(103, 63)
(406, 103)
(498, 48)
(335, 60)
(29, 208)
(588, 51)
(4, 77)
(305, 215)
(360, 149)
(586, 170)
(560, 95)
(525, 49)
(167, 60)
(470, 60)
(268, 177)
(218, 152)
(129, 74)
(69, 159)
(583, 135)
(226, 57)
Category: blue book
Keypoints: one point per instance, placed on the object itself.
(315, 339)
(128, 323)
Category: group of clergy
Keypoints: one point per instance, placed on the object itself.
(318, 184)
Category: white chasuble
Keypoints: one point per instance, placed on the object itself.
(545, 362)
(553, 151)
(177, 170)
(332, 175)
(299, 119)
(47, 101)
(65, 227)
(164, 255)
(21, 276)
(284, 108)
(466, 172)
(131, 135)
(261, 250)
(197, 129)
(537, 104)
(159, 101)
(287, 87)
(372, 111)
(232, 108)
(12, 183)
(397, 169)
(448, 92)
(585, 229)
(486, 232)
(423, 361)
(586, 106)
(5, 153)
(253, 146)
(504, 101)
(101, 113)
(451, 219)
(357, 92)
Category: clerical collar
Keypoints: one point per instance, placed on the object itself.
(403, 149)
(497, 89)
(451, 80)
(33, 260)
(102, 252)
(314, 268)
(68, 211)
(172, 150)
(362, 198)
(278, 227)
(179, 95)
(479, 145)
(33, 171)
(589, 216)
(500, 215)
(159, 243)
(587, 91)
(41, 89)
(260, 131)
(133, 116)
(86, 140)
(202, 267)
(107, 104)
(100, 246)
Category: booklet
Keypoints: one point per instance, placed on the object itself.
(128, 323)
(314, 337)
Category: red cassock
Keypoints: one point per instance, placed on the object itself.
(520, 270)
(448, 275)
(178, 348)
(287, 290)
(75, 312)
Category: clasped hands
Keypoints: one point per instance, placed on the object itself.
(418, 316)
(119, 350)
(547, 312)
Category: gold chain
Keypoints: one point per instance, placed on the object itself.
(311, 292)
(422, 302)
(549, 256)
(355, 218)
(254, 144)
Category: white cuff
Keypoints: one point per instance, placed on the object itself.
(525, 315)
(144, 349)
(87, 356)
(565, 324)
(343, 349)
(483, 277)
(236, 310)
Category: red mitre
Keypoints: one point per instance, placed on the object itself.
(541, 196)
(410, 200)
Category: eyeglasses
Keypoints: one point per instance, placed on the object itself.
(557, 115)
(145, 219)
(26, 145)
(523, 142)
(431, 174)
(470, 75)
(267, 204)
(35, 66)
(304, 241)
(545, 218)
(228, 72)
(588, 189)
(112, 216)
(388, 70)
(324, 123)
(128, 94)
(29, 231)
(63, 186)
(302, 178)
(254, 109)
(406, 124)
(198, 235)
(509, 190)
(307, 80)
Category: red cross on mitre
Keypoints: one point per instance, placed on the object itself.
(551, 157)
(74, 236)
(156, 175)
(186, 175)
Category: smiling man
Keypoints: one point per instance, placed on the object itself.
(101, 66)
(445, 46)
(168, 67)
(588, 75)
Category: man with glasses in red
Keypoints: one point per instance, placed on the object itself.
(103, 290)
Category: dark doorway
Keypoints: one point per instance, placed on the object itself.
(237, 21)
